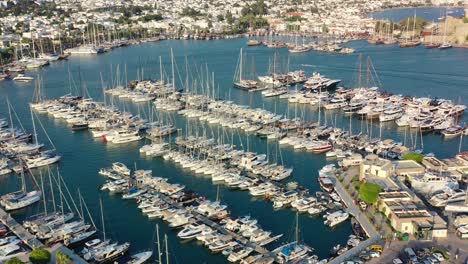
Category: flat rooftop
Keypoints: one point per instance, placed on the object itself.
(407, 164)
(394, 195)
(412, 214)
(433, 161)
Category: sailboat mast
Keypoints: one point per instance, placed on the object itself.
(43, 192)
(167, 249)
(240, 66)
(173, 73)
(34, 126)
(52, 190)
(23, 181)
(159, 244)
(102, 220)
(60, 193)
(160, 69)
(296, 234)
(81, 203)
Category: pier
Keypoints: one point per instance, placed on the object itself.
(17, 229)
(353, 210)
(205, 220)
(32, 242)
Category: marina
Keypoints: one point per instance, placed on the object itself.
(124, 146)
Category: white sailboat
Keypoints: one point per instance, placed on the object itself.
(240, 82)
(20, 199)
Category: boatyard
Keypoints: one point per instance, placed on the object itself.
(258, 174)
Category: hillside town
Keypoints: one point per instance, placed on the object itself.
(61, 19)
(406, 203)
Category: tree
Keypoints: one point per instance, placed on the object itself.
(407, 23)
(190, 12)
(155, 17)
(324, 28)
(62, 258)
(414, 156)
(39, 256)
(14, 260)
(220, 18)
(229, 17)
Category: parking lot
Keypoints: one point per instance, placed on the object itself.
(457, 251)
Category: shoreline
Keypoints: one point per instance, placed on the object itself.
(416, 7)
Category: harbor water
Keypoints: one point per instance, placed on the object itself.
(413, 72)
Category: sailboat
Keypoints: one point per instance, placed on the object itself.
(240, 82)
(445, 44)
(108, 252)
(42, 158)
(20, 199)
(145, 256)
(82, 236)
(293, 251)
(409, 41)
(432, 45)
(299, 48)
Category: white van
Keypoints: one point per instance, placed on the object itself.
(411, 255)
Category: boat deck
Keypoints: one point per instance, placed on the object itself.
(27, 238)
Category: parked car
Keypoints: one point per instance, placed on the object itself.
(397, 261)
(374, 254)
(438, 256)
(363, 205)
(423, 252)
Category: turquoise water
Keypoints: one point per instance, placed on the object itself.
(417, 72)
(428, 13)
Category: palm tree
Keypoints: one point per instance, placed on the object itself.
(62, 258)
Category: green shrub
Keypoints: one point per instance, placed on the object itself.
(368, 192)
(62, 258)
(40, 256)
(14, 260)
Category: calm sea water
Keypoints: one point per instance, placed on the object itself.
(428, 13)
(416, 72)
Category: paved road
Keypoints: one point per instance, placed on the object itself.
(366, 225)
